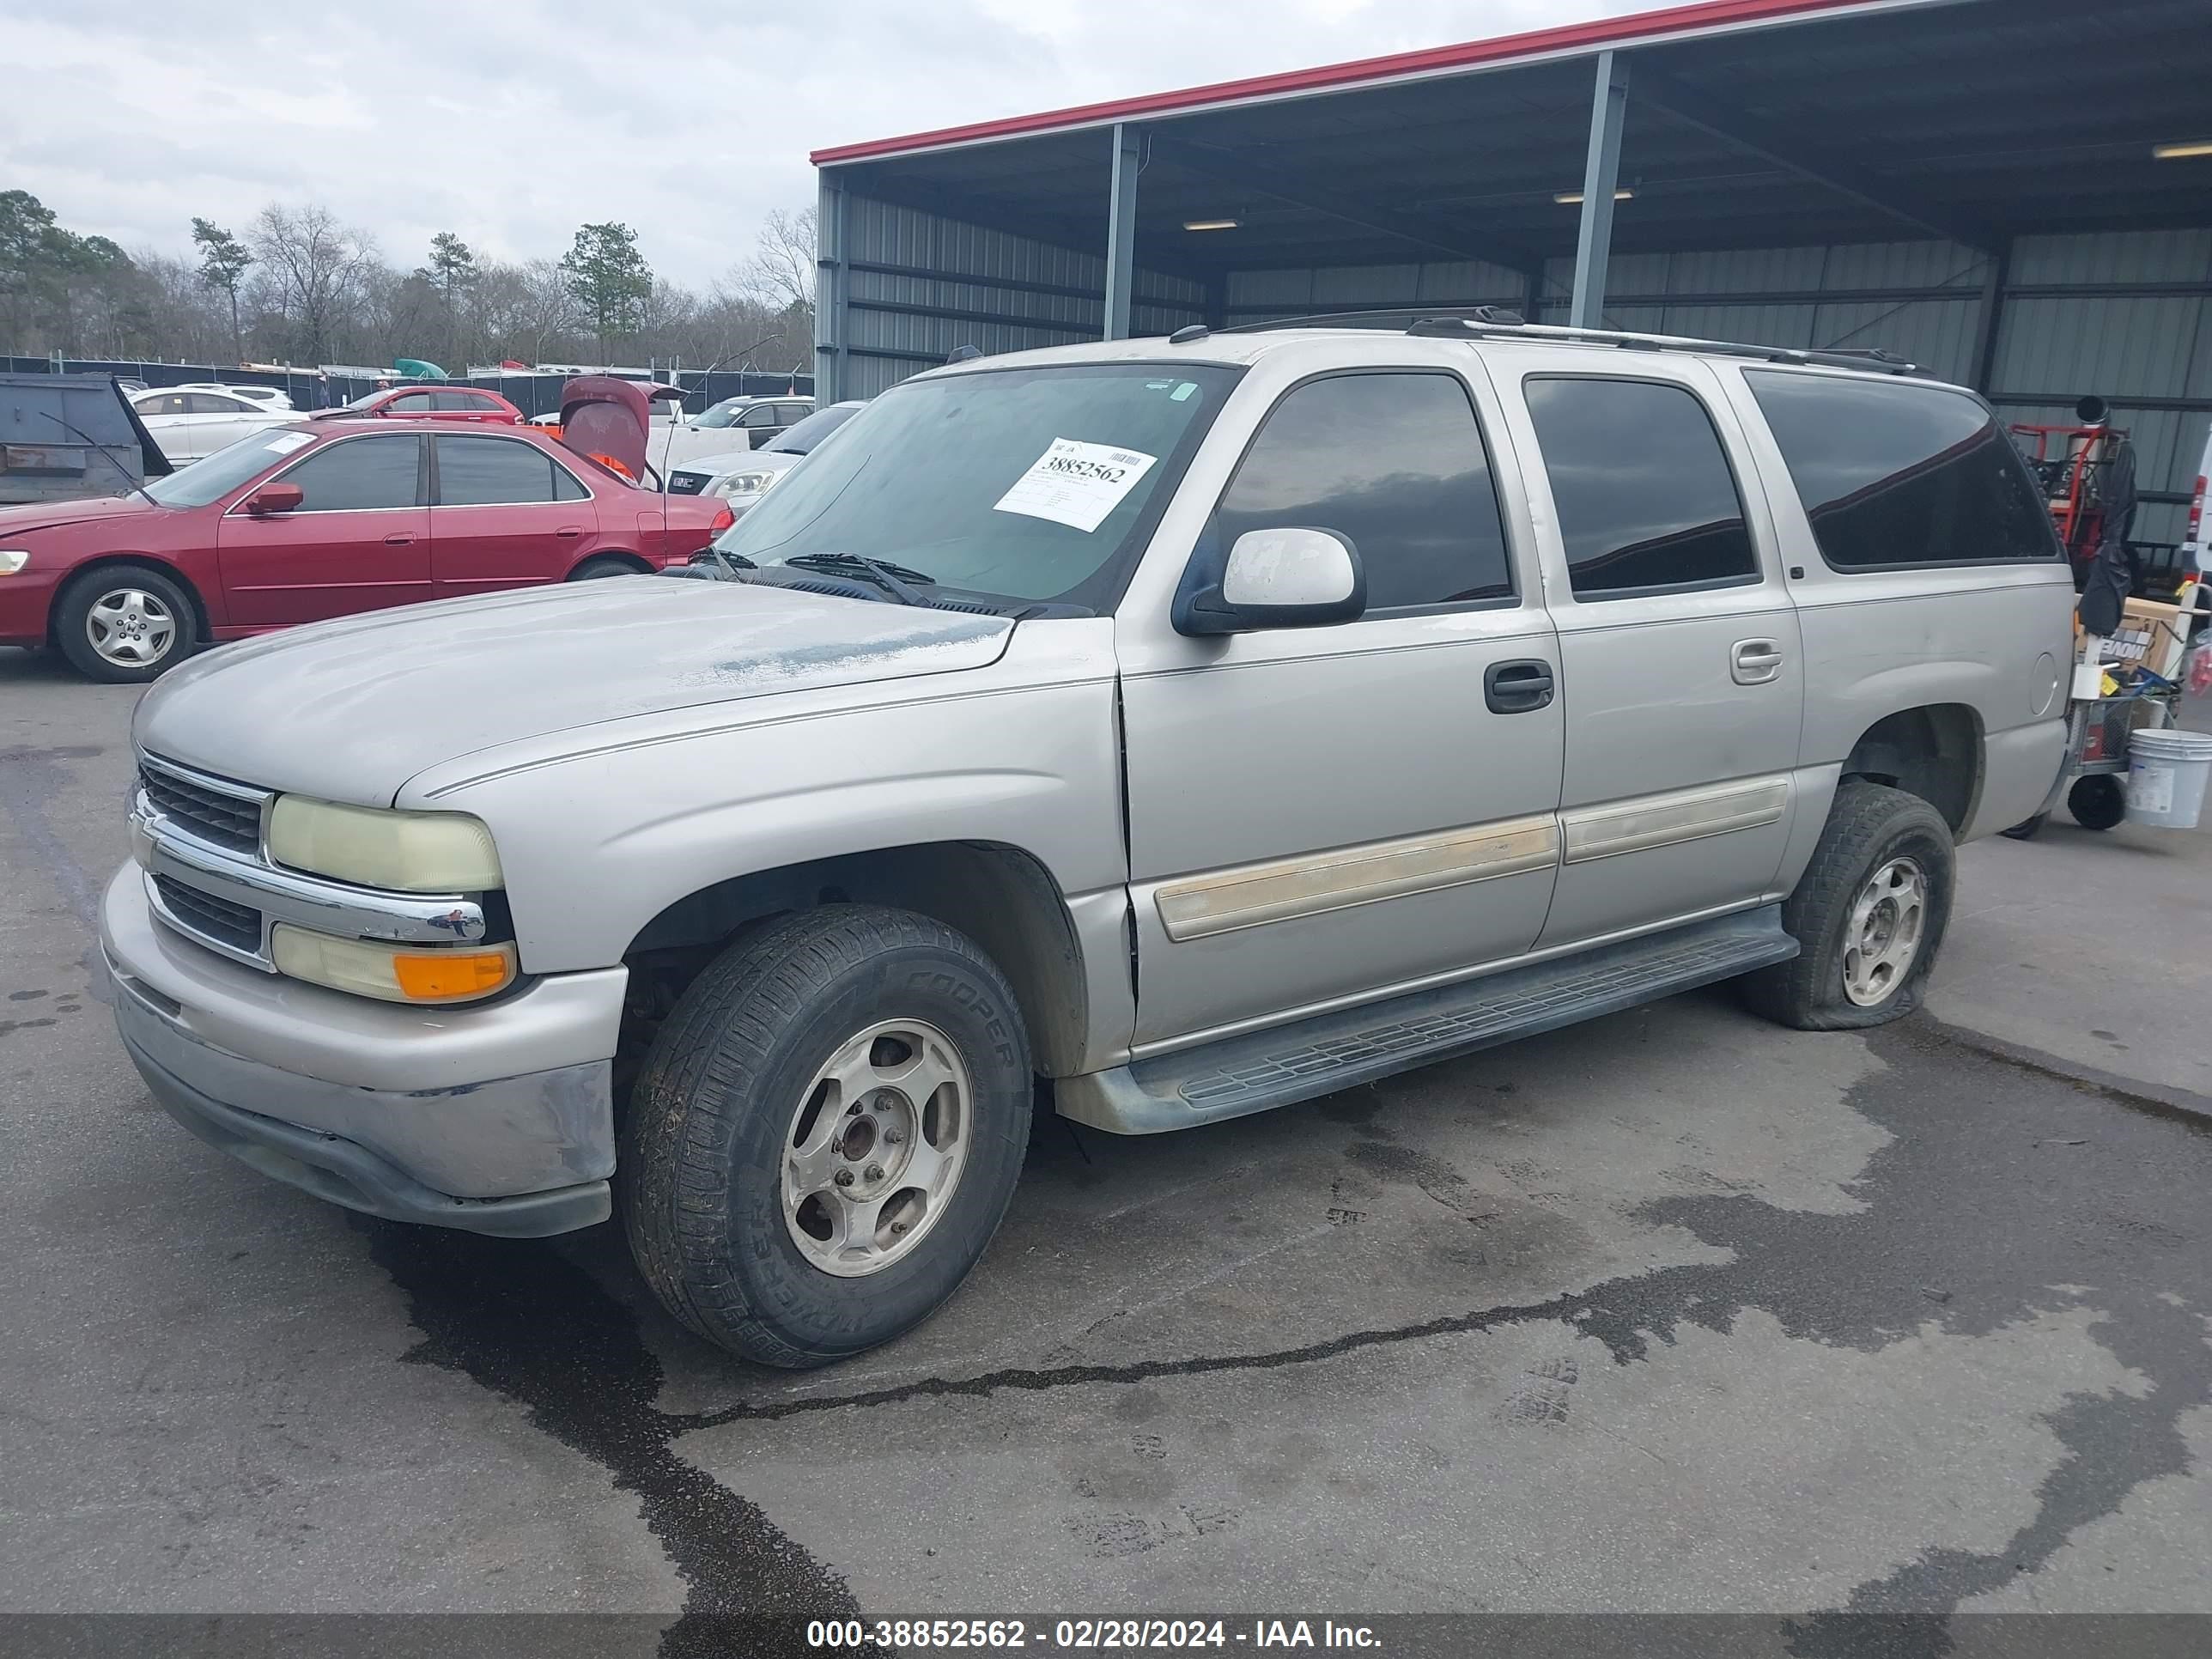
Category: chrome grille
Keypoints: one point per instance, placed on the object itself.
(237, 926)
(224, 820)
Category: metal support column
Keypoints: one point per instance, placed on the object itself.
(1121, 233)
(1217, 299)
(1600, 178)
(831, 317)
(1993, 279)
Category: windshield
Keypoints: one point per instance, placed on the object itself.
(1022, 483)
(198, 482)
(722, 414)
(801, 439)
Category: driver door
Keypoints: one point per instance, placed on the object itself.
(359, 540)
(1319, 814)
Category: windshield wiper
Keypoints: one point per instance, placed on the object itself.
(893, 578)
(736, 563)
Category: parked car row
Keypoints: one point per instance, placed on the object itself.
(304, 519)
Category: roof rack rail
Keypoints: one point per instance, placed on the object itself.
(1498, 316)
(1495, 322)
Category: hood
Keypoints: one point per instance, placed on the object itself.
(742, 460)
(51, 515)
(350, 710)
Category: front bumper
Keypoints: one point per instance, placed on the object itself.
(496, 1119)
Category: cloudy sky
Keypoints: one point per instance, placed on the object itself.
(514, 121)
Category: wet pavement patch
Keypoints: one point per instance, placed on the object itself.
(2001, 1194)
(521, 1320)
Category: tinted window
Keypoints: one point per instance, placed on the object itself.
(173, 402)
(206, 403)
(1903, 474)
(414, 404)
(359, 475)
(480, 471)
(801, 439)
(1395, 464)
(759, 415)
(567, 487)
(1643, 488)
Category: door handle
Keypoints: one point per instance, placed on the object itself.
(402, 539)
(570, 531)
(1755, 662)
(1521, 687)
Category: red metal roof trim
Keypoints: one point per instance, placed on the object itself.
(1593, 36)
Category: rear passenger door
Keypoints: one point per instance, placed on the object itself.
(1682, 663)
(1322, 814)
(505, 513)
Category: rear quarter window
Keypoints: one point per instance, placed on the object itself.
(1895, 476)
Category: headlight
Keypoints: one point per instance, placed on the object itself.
(12, 559)
(393, 973)
(747, 483)
(406, 852)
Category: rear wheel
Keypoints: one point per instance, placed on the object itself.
(826, 1134)
(123, 624)
(1869, 914)
(592, 569)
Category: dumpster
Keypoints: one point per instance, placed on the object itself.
(64, 437)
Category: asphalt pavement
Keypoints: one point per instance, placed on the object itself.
(1674, 1313)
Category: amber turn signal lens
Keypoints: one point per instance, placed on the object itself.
(446, 975)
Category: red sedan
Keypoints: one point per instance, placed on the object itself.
(303, 523)
(417, 403)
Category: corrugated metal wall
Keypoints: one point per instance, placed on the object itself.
(921, 285)
(2126, 315)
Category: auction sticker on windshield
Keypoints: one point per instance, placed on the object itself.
(1076, 483)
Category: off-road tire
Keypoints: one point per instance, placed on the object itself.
(75, 603)
(700, 1166)
(1869, 825)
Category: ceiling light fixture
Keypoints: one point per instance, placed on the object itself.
(1574, 198)
(1209, 224)
(2175, 152)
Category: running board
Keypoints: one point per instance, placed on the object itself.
(1317, 1056)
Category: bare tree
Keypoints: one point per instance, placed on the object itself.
(779, 273)
(315, 267)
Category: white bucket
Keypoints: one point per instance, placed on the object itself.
(2166, 774)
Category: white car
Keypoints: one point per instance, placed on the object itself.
(189, 424)
(742, 476)
(267, 397)
(735, 423)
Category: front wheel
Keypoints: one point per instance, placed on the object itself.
(826, 1134)
(1869, 914)
(125, 624)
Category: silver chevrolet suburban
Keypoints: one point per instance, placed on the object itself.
(1203, 725)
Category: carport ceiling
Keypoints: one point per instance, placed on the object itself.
(1977, 119)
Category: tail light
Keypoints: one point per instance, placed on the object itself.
(725, 519)
(2194, 534)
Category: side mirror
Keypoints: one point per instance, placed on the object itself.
(1286, 578)
(275, 498)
